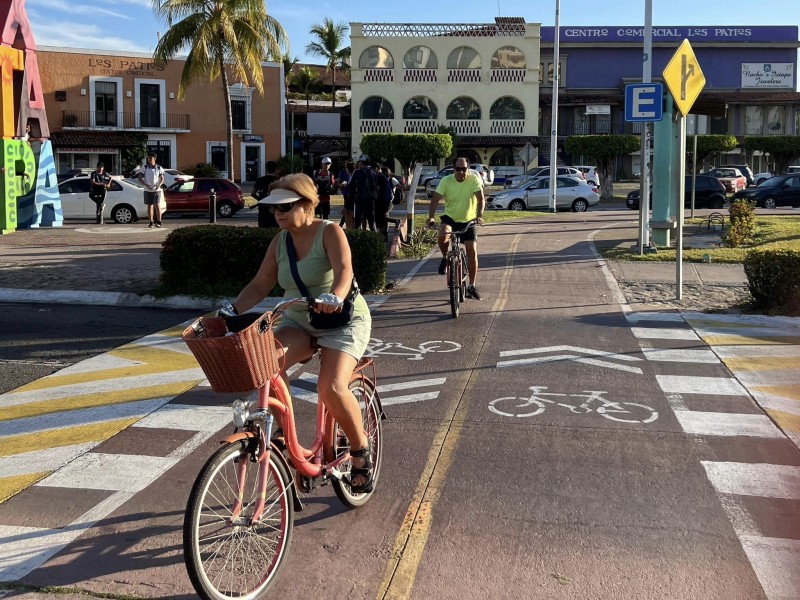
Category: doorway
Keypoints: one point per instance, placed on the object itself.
(252, 162)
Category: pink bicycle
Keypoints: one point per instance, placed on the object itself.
(240, 514)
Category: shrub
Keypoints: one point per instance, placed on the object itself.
(774, 278)
(219, 260)
(743, 222)
(202, 170)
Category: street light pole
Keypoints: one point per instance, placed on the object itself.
(554, 115)
(644, 179)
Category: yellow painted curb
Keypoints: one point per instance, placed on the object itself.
(68, 436)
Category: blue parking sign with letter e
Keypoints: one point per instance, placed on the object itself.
(643, 102)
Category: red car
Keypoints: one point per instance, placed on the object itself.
(731, 178)
(191, 196)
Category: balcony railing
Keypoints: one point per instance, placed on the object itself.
(378, 75)
(423, 75)
(508, 75)
(465, 126)
(464, 75)
(420, 126)
(376, 126)
(507, 126)
(87, 119)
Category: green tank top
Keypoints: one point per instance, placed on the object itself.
(315, 271)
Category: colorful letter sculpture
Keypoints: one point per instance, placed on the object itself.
(28, 185)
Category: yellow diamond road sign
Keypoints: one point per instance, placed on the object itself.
(684, 78)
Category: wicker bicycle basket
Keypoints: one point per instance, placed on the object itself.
(234, 362)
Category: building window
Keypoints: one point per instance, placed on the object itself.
(546, 73)
(508, 57)
(376, 57)
(239, 114)
(420, 107)
(420, 57)
(507, 107)
(754, 119)
(464, 57)
(463, 107)
(105, 103)
(149, 105)
(218, 155)
(163, 151)
(376, 107)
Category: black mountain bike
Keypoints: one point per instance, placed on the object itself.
(457, 273)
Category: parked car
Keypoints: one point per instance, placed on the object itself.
(590, 174)
(73, 173)
(760, 178)
(124, 201)
(730, 177)
(571, 194)
(192, 196)
(486, 175)
(543, 172)
(171, 176)
(424, 180)
(781, 190)
(710, 193)
(793, 169)
(433, 183)
(745, 170)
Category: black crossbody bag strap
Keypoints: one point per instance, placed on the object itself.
(293, 265)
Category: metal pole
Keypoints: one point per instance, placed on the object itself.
(694, 167)
(644, 178)
(680, 212)
(291, 168)
(554, 117)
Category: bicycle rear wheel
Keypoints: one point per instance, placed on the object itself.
(337, 443)
(454, 284)
(226, 555)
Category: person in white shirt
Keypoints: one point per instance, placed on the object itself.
(151, 176)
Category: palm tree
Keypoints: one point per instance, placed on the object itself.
(307, 82)
(288, 68)
(221, 38)
(330, 37)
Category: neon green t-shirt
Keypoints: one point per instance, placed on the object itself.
(460, 203)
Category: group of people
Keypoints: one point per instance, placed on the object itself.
(150, 176)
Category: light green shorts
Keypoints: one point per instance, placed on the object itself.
(352, 339)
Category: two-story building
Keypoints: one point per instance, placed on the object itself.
(479, 80)
(96, 100)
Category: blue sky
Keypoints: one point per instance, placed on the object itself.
(131, 25)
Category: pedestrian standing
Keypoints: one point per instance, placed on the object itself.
(261, 191)
(364, 189)
(324, 180)
(342, 183)
(152, 178)
(101, 182)
(383, 203)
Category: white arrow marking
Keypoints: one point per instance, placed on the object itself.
(590, 351)
(572, 357)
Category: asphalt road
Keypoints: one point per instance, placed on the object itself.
(495, 482)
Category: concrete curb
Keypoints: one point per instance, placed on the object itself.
(123, 299)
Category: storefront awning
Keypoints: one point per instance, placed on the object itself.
(82, 140)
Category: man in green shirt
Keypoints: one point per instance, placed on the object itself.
(463, 202)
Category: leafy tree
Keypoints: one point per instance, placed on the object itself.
(603, 149)
(307, 82)
(133, 156)
(330, 37)
(783, 149)
(453, 138)
(709, 146)
(221, 38)
(288, 70)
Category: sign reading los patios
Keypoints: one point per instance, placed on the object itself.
(768, 75)
(111, 65)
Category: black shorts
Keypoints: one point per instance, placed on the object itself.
(349, 204)
(468, 236)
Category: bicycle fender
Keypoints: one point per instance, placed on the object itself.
(239, 435)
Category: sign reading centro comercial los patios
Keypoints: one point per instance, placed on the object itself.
(124, 66)
(701, 33)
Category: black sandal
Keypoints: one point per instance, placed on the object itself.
(364, 471)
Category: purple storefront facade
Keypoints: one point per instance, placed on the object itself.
(751, 81)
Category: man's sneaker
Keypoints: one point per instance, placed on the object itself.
(472, 292)
(158, 225)
(442, 266)
(150, 226)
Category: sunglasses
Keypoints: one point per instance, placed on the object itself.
(284, 208)
(461, 169)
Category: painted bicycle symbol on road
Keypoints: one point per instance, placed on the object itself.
(593, 402)
(378, 347)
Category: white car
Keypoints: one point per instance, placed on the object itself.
(571, 194)
(760, 178)
(124, 201)
(590, 174)
(543, 172)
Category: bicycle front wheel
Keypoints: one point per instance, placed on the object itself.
(454, 283)
(337, 443)
(228, 555)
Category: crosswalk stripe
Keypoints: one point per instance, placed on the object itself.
(683, 384)
(407, 385)
(758, 351)
(54, 458)
(754, 479)
(727, 424)
(683, 355)
(113, 472)
(745, 340)
(14, 484)
(63, 437)
(771, 364)
(638, 317)
(776, 563)
(408, 399)
(661, 333)
(188, 417)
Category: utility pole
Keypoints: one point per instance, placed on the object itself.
(644, 179)
(554, 116)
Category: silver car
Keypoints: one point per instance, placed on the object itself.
(571, 194)
(542, 172)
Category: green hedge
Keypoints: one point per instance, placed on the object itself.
(219, 260)
(774, 278)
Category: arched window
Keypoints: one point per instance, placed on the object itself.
(420, 107)
(376, 57)
(420, 57)
(376, 107)
(508, 57)
(464, 107)
(507, 107)
(464, 57)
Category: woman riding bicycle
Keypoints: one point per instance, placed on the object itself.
(324, 266)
